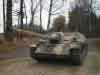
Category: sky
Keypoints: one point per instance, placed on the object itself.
(65, 11)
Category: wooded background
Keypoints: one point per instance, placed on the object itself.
(82, 17)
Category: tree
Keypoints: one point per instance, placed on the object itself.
(78, 17)
(9, 28)
(33, 10)
(49, 16)
(41, 15)
(21, 13)
(4, 14)
(25, 11)
(32, 13)
(54, 9)
(83, 19)
(74, 19)
(97, 27)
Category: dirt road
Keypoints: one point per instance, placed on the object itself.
(24, 65)
(27, 66)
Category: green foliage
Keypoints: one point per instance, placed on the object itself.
(94, 65)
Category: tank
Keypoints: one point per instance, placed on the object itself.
(60, 46)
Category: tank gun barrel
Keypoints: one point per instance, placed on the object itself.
(30, 34)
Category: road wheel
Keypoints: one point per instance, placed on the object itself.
(32, 51)
(76, 60)
(85, 53)
(76, 57)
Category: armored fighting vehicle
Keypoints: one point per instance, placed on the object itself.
(60, 46)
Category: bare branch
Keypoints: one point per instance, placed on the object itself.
(35, 8)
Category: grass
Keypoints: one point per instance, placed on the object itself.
(94, 64)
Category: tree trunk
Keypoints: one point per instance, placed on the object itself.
(25, 14)
(9, 28)
(4, 15)
(49, 16)
(21, 13)
(40, 15)
(90, 10)
(32, 18)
